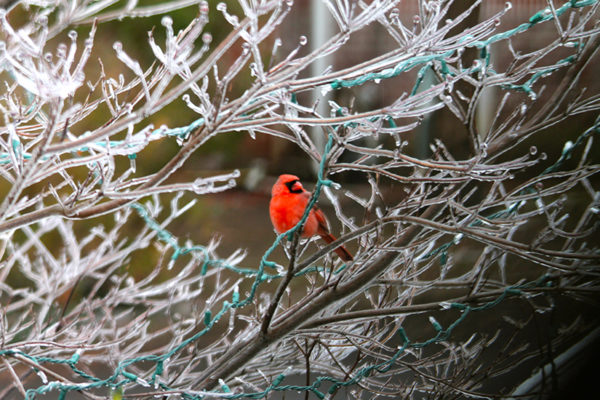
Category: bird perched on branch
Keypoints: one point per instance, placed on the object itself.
(288, 203)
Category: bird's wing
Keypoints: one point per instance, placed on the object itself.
(323, 223)
(321, 218)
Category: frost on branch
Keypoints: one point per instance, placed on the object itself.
(456, 149)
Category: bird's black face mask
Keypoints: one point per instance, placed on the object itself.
(294, 186)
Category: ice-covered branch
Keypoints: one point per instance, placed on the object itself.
(459, 169)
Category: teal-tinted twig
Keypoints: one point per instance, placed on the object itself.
(527, 86)
(540, 16)
(179, 132)
(401, 67)
(420, 76)
(168, 238)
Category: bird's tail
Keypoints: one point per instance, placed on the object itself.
(340, 251)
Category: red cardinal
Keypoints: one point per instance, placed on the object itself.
(288, 202)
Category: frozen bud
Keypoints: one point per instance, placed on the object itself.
(533, 150)
(166, 21)
(457, 238)
(204, 8)
(61, 50)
